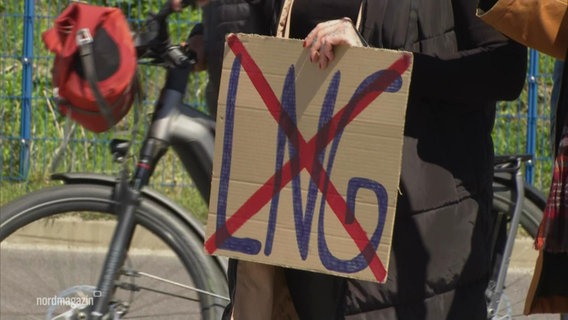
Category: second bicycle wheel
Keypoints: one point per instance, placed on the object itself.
(520, 270)
(53, 245)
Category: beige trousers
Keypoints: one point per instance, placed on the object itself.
(261, 293)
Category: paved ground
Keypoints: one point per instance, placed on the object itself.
(518, 279)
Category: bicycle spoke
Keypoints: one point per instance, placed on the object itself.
(139, 273)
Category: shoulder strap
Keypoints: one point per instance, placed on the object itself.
(359, 16)
(283, 27)
(85, 44)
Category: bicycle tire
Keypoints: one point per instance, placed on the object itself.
(504, 197)
(54, 211)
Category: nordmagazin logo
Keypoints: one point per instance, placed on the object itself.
(73, 302)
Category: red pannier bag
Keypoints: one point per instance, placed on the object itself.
(94, 70)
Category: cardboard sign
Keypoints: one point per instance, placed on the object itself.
(307, 161)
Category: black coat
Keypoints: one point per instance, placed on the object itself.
(221, 17)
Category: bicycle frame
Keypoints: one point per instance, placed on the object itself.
(513, 167)
(191, 134)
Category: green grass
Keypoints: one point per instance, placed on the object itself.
(186, 196)
(11, 190)
(189, 198)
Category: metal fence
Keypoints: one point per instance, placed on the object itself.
(32, 130)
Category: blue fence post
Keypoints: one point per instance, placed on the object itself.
(532, 115)
(27, 61)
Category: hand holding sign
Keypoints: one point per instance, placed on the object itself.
(327, 35)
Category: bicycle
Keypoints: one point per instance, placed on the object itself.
(139, 227)
(116, 248)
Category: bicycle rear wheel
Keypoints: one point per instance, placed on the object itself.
(53, 245)
(524, 256)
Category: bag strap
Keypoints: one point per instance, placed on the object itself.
(85, 45)
(283, 28)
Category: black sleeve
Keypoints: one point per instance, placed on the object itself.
(487, 67)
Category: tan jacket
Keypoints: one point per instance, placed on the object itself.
(539, 24)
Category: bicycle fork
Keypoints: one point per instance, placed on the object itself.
(514, 225)
(117, 251)
(127, 198)
(127, 195)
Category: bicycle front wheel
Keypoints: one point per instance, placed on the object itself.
(53, 245)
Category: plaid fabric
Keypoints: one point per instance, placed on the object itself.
(553, 230)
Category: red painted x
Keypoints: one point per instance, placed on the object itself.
(307, 152)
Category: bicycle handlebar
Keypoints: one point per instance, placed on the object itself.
(153, 44)
(512, 159)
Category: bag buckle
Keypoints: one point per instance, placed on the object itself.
(84, 37)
